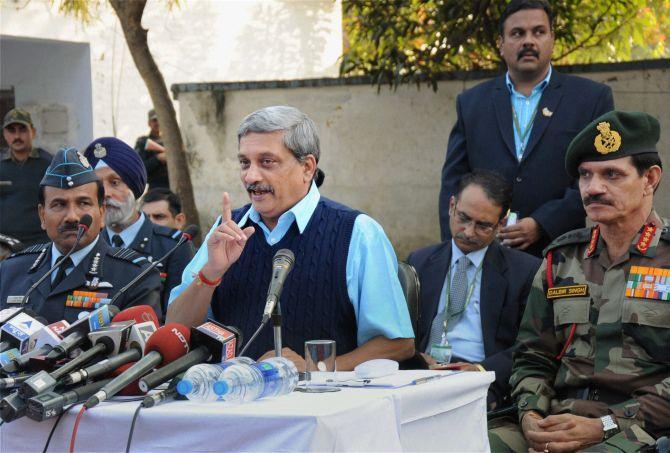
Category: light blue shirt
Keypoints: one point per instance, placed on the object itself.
(524, 106)
(76, 257)
(372, 269)
(465, 336)
(128, 234)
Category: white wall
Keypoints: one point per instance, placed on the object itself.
(53, 82)
(382, 152)
(203, 40)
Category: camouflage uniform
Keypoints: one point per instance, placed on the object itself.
(618, 362)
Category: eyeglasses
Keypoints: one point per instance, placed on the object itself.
(463, 220)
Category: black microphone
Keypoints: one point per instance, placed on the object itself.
(159, 397)
(282, 263)
(188, 233)
(210, 342)
(51, 404)
(167, 344)
(106, 344)
(77, 333)
(103, 367)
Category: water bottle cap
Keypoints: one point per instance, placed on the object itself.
(221, 387)
(184, 387)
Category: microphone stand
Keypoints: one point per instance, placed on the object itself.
(276, 328)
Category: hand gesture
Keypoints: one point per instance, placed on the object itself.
(521, 235)
(225, 244)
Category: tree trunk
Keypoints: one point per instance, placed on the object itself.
(130, 13)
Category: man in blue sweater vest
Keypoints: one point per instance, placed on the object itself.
(344, 283)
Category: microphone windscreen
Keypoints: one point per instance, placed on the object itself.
(138, 313)
(284, 254)
(85, 221)
(171, 341)
(132, 389)
(191, 231)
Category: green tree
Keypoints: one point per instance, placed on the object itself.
(129, 13)
(404, 41)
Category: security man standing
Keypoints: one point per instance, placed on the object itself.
(123, 174)
(21, 169)
(593, 366)
(94, 272)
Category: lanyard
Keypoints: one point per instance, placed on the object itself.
(468, 297)
(523, 135)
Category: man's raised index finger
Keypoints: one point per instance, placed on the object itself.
(227, 211)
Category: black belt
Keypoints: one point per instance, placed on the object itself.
(593, 394)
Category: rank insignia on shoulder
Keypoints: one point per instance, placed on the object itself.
(14, 299)
(645, 238)
(648, 283)
(561, 292)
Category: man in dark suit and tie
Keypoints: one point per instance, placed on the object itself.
(520, 124)
(473, 290)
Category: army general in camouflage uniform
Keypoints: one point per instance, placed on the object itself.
(593, 367)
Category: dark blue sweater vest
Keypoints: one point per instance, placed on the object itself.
(315, 304)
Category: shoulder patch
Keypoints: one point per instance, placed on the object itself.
(129, 255)
(579, 236)
(37, 248)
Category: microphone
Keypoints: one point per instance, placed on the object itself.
(211, 342)
(103, 367)
(105, 343)
(186, 235)
(133, 338)
(45, 340)
(282, 263)
(167, 344)
(20, 331)
(51, 404)
(139, 314)
(159, 397)
(76, 334)
(82, 228)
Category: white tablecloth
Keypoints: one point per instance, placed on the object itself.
(447, 414)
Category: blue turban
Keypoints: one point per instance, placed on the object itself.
(121, 158)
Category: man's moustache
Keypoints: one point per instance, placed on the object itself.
(258, 188)
(66, 227)
(525, 52)
(595, 199)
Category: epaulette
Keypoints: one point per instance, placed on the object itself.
(172, 233)
(571, 237)
(129, 255)
(13, 244)
(37, 248)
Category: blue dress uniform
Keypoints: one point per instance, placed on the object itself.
(97, 278)
(98, 272)
(154, 241)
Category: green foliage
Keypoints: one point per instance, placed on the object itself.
(401, 41)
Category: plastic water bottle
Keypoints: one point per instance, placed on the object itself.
(242, 383)
(197, 383)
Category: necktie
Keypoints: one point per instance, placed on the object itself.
(459, 287)
(457, 294)
(60, 274)
(117, 241)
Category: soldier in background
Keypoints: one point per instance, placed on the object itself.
(21, 169)
(152, 152)
(593, 365)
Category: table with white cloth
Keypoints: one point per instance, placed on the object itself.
(446, 414)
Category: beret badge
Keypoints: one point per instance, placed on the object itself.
(608, 141)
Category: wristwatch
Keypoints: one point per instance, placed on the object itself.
(610, 427)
